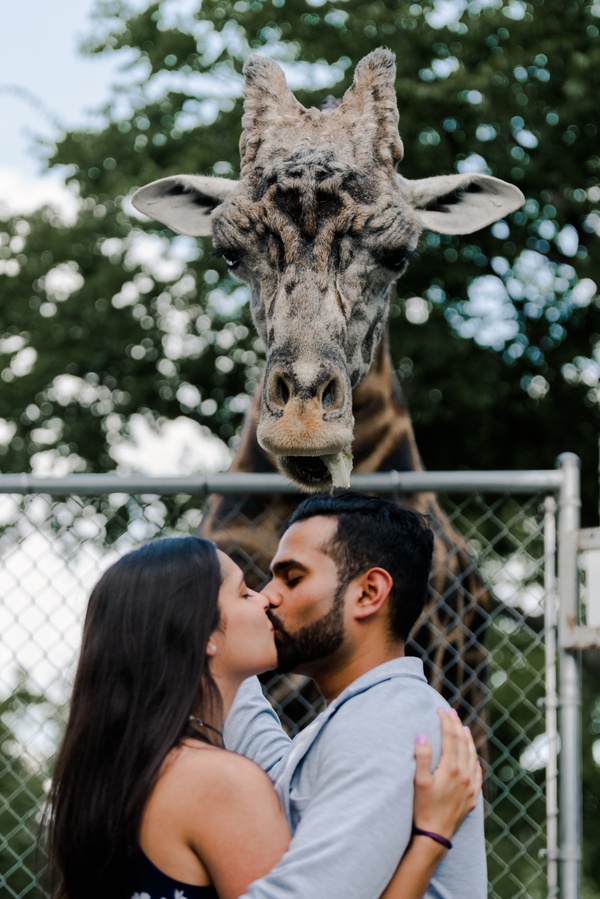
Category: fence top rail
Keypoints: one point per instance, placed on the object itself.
(534, 481)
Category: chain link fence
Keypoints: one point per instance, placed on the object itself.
(54, 547)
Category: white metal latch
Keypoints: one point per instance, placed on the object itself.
(579, 607)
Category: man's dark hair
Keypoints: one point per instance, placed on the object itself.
(376, 533)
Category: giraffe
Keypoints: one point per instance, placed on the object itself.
(319, 226)
(450, 635)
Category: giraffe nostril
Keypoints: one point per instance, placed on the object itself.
(330, 394)
(282, 391)
(285, 388)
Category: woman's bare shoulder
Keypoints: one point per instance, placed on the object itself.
(209, 770)
(209, 799)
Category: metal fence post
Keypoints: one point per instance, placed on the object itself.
(551, 700)
(569, 691)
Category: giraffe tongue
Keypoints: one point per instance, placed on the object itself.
(340, 466)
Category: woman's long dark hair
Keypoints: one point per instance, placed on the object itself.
(142, 672)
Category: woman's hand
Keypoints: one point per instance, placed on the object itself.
(445, 797)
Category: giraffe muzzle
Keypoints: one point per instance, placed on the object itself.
(305, 420)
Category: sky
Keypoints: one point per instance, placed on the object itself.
(44, 79)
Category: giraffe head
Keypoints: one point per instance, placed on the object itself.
(319, 226)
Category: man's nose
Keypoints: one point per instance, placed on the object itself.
(272, 594)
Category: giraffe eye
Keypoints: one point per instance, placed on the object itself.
(397, 260)
(231, 257)
(231, 260)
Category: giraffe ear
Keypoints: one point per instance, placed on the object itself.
(370, 108)
(460, 204)
(184, 202)
(268, 101)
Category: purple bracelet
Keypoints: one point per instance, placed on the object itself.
(443, 841)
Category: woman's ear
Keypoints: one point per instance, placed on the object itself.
(373, 589)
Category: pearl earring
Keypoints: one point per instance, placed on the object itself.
(212, 647)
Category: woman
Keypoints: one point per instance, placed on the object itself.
(144, 800)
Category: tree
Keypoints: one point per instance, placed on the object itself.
(94, 331)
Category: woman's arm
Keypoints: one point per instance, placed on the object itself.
(239, 830)
(213, 817)
(443, 799)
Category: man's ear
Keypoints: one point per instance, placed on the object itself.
(372, 589)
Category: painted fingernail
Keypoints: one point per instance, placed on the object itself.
(422, 739)
(454, 712)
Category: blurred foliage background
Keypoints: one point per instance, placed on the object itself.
(106, 317)
(495, 335)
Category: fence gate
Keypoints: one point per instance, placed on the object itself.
(58, 535)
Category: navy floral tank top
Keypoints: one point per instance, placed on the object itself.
(148, 882)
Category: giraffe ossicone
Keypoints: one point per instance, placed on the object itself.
(319, 226)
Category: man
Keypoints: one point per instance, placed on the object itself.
(349, 581)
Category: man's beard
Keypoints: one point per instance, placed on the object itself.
(313, 642)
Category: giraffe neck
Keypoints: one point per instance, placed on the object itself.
(383, 433)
